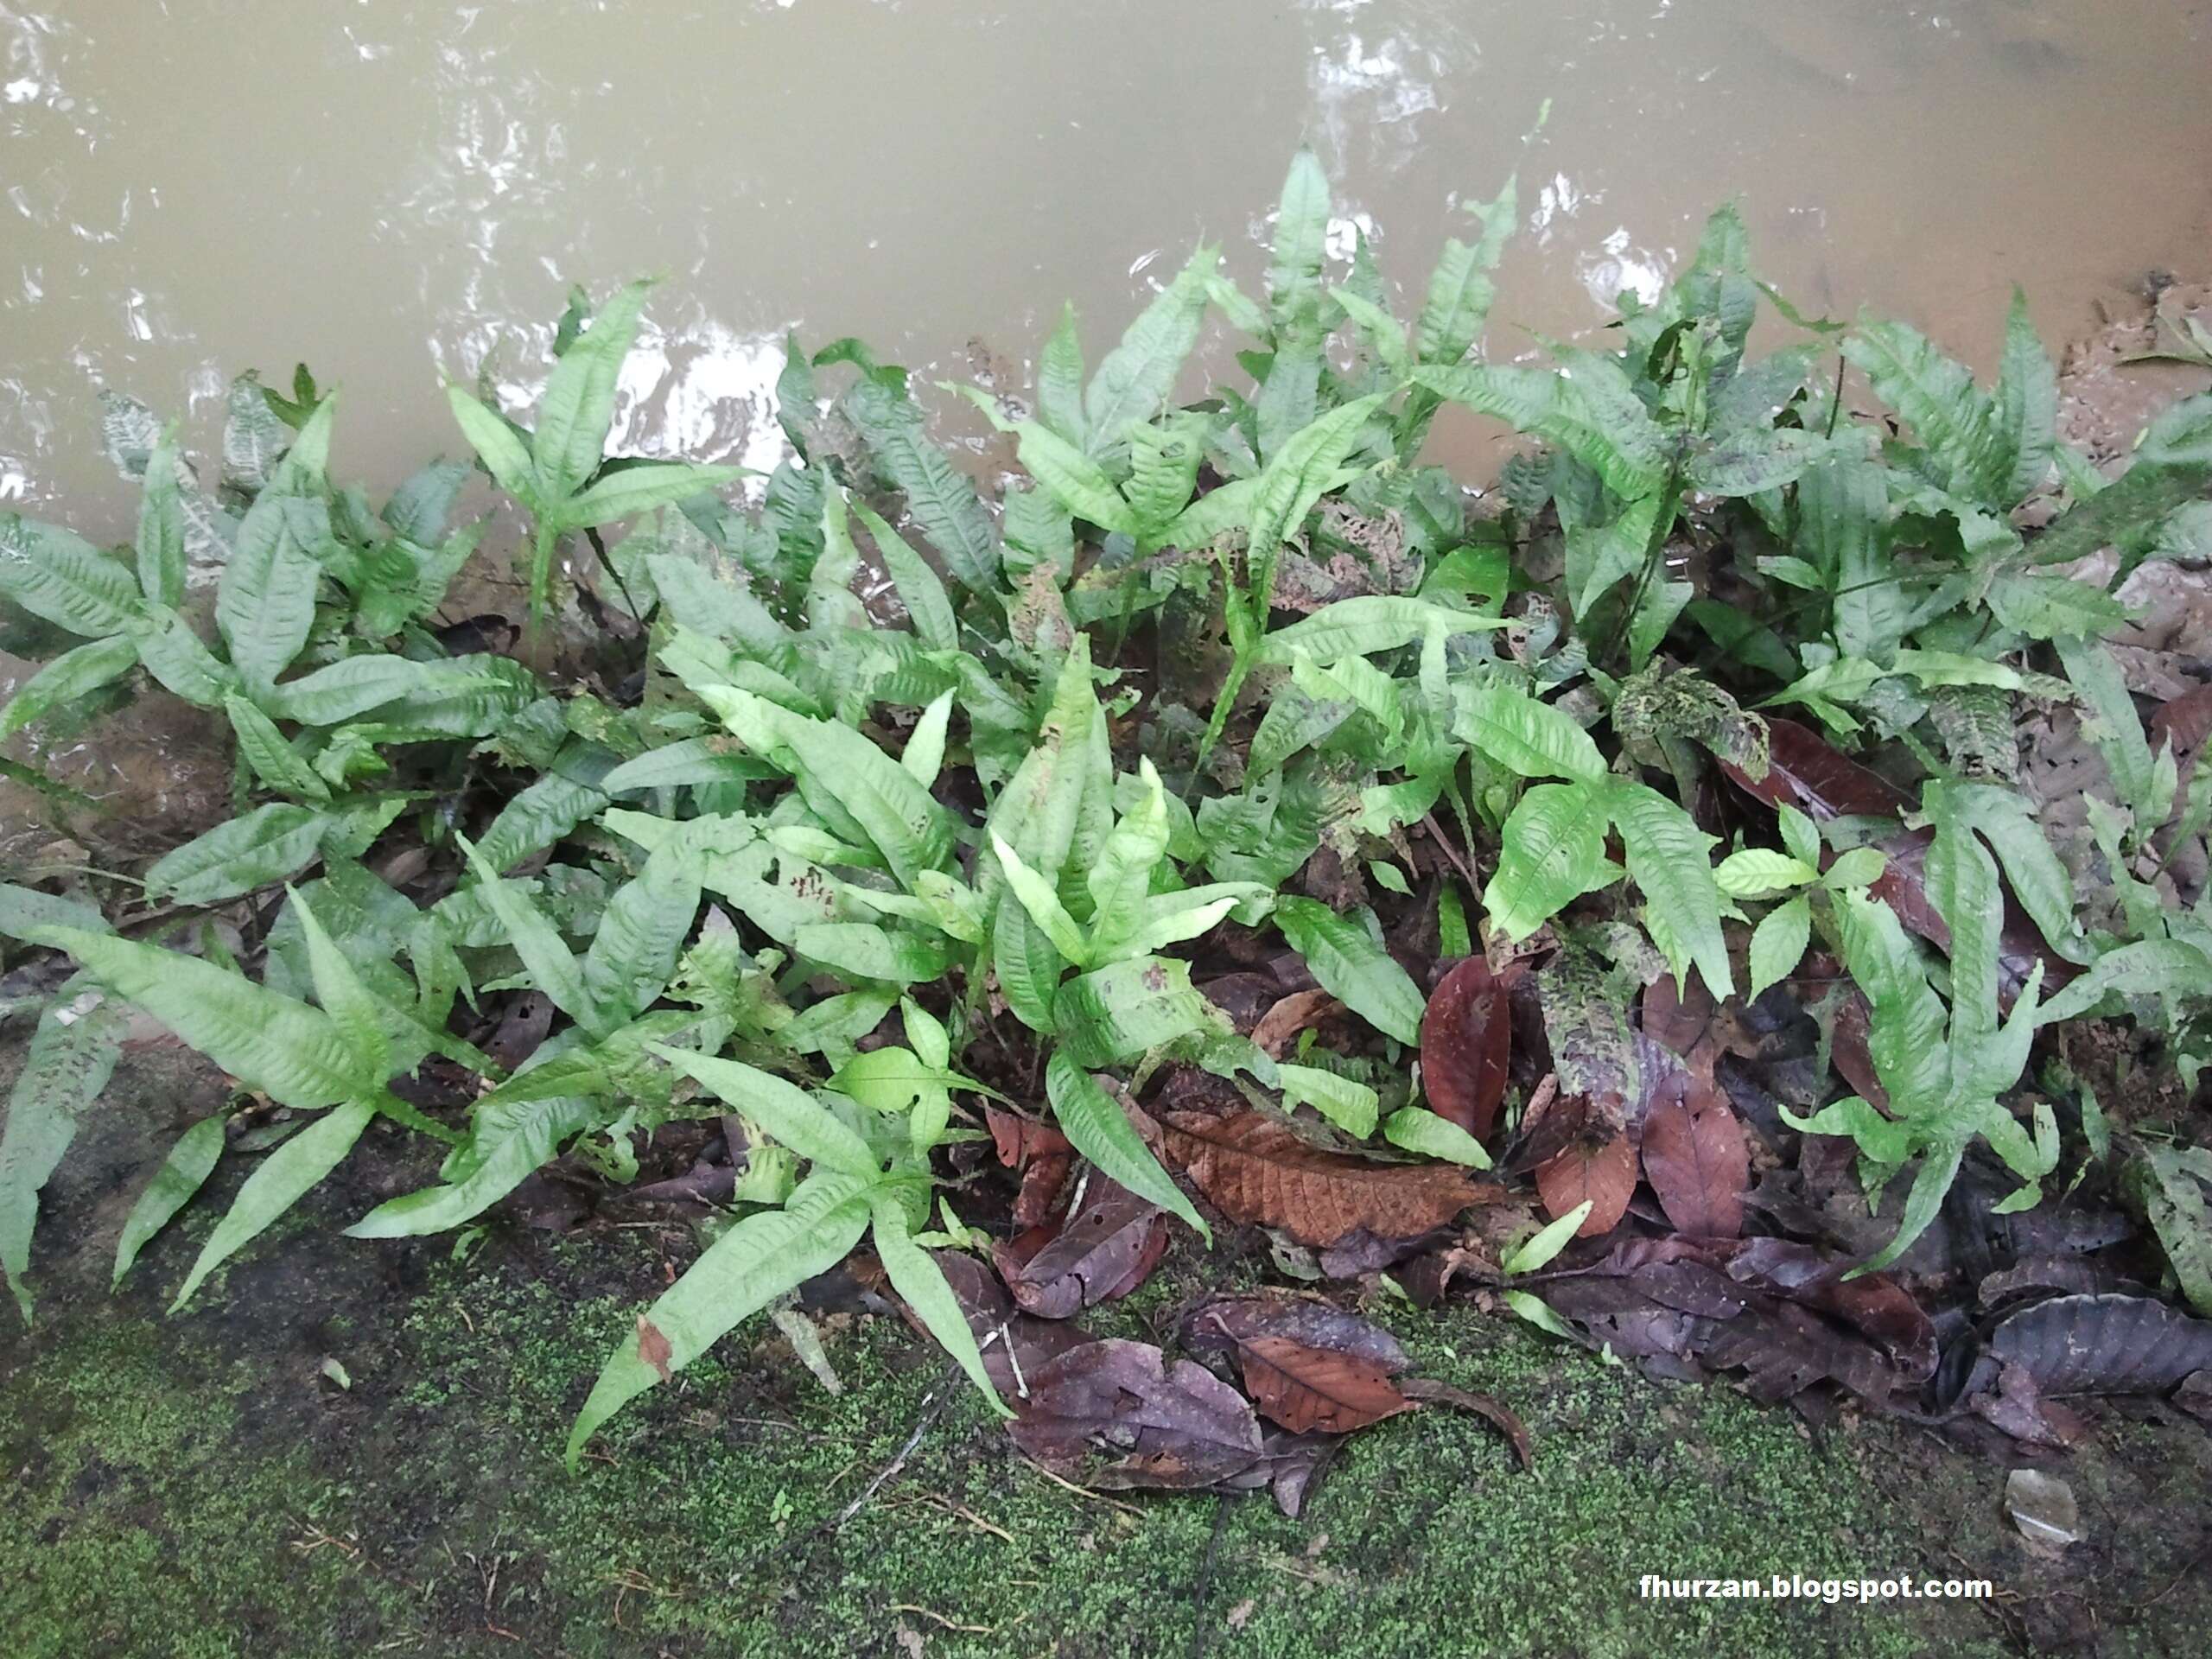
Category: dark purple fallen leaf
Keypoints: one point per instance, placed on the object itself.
(1506, 1421)
(1466, 1047)
(1103, 1251)
(1810, 774)
(1154, 1422)
(1015, 1346)
(2102, 1344)
(1874, 1304)
(1290, 1467)
(1041, 1154)
(1217, 1327)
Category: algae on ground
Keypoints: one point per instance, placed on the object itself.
(151, 1516)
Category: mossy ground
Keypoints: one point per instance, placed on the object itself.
(197, 1487)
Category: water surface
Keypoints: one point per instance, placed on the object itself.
(396, 188)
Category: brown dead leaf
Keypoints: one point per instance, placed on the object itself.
(1043, 1155)
(1466, 1036)
(1604, 1174)
(1421, 1391)
(1696, 1159)
(653, 1348)
(1308, 1388)
(1254, 1169)
(1278, 1028)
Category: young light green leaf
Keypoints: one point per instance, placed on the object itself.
(748, 1267)
(921, 1285)
(1552, 851)
(1432, 1136)
(639, 936)
(71, 1056)
(1352, 966)
(1115, 1012)
(160, 543)
(1778, 944)
(1761, 873)
(1534, 739)
(924, 756)
(1060, 381)
(1548, 1242)
(285, 1176)
(1593, 413)
(504, 454)
(640, 487)
(1352, 1107)
(358, 1015)
(181, 1174)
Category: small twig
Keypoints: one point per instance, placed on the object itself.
(1081, 1491)
(1200, 1631)
(1436, 833)
(933, 1406)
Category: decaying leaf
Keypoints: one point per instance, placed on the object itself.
(1307, 1388)
(1154, 1421)
(1695, 1157)
(1466, 1039)
(1254, 1170)
(1279, 1028)
(1104, 1250)
(1603, 1175)
(2103, 1345)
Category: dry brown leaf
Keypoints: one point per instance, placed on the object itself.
(1604, 1174)
(1254, 1169)
(1308, 1388)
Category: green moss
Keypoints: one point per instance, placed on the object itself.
(174, 1492)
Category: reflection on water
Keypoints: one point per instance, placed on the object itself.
(398, 188)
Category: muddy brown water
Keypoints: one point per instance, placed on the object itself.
(392, 190)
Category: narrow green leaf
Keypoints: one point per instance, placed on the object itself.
(1115, 1012)
(265, 603)
(268, 845)
(161, 528)
(1671, 859)
(1352, 1107)
(1096, 1127)
(789, 1115)
(293, 1053)
(1364, 624)
(1432, 1136)
(356, 1012)
(1352, 968)
(504, 454)
(551, 965)
(287, 1175)
(71, 1056)
(181, 1174)
(748, 1267)
(921, 1285)
(273, 760)
(578, 407)
(919, 589)
(641, 488)
(2027, 405)
(529, 1139)
(1060, 381)
(1137, 376)
(64, 579)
